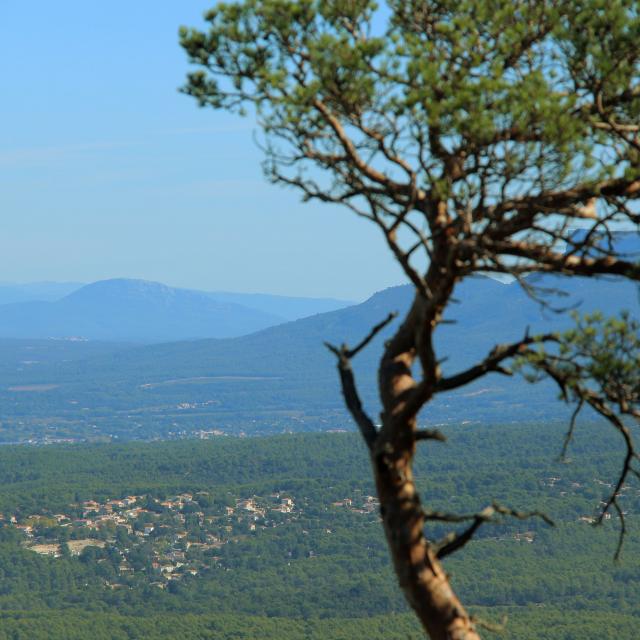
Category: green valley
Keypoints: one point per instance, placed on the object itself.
(279, 537)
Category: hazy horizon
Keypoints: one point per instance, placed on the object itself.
(79, 284)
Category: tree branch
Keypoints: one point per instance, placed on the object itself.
(348, 383)
(455, 541)
(350, 149)
(565, 373)
(554, 202)
(491, 363)
(429, 434)
(543, 259)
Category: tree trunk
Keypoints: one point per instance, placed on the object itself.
(420, 574)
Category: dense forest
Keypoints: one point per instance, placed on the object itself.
(279, 537)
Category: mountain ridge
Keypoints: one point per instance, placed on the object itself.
(283, 378)
(133, 310)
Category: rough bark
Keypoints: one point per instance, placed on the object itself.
(421, 576)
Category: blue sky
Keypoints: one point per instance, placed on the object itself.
(107, 171)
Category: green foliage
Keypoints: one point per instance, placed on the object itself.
(509, 85)
(607, 352)
(597, 355)
(296, 580)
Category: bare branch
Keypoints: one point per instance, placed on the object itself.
(429, 434)
(565, 373)
(555, 202)
(352, 398)
(570, 431)
(455, 541)
(347, 380)
(541, 258)
(350, 353)
(491, 626)
(492, 362)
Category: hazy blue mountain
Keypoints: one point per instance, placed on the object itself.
(288, 307)
(277, 378)
(283, 377)
(11, 292)
(140, 311)
(131, 310)
(487, 312)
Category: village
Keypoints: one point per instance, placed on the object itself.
(162, 540)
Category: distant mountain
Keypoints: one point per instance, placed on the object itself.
(131, 310)
(284, 375)
(142, 311)
(290, 308)
(280, 377)
(10, 292)
(486, 312)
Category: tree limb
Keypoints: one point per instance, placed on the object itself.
(491, 363)
(455, 541)
(347, 380)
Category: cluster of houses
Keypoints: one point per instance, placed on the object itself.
(161, 539)
(368, 504)
(565, 487)
(180, 535)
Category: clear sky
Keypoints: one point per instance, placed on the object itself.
(107, 171)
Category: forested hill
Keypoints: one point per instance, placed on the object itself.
(281, 378)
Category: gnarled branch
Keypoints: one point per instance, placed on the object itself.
(347, 379)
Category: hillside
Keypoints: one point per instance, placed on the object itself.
(281, 378)
(287, 307)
